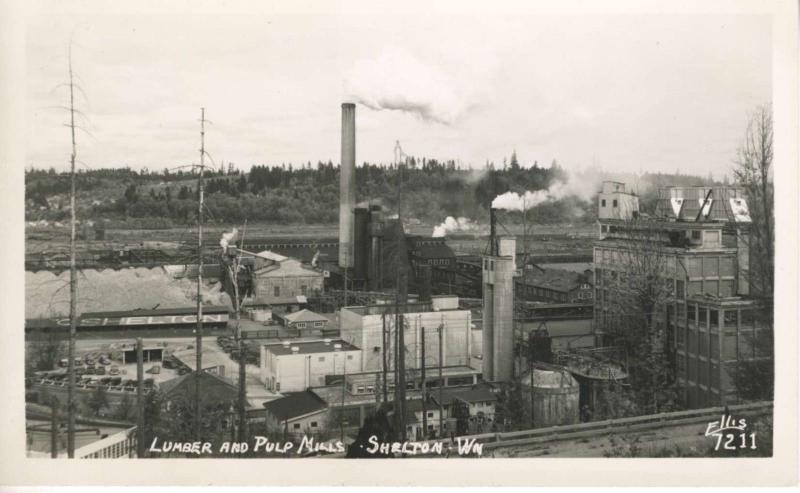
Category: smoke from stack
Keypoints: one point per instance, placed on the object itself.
(227, 238)
(453, 225)
(579, 187)
(398, 81)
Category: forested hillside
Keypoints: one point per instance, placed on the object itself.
(430, 190)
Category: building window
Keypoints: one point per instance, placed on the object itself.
(714, 318)
(614, 203)
(321, 359)
(300, 325)
(277, 291)
(296, 426)
(349, 356)
(731, 318)
(430, 414)
(319, 324)
(313, 424)
(691, 313)
(696, 235)
(702, 319)
(602, 202)
(303, 289)
(679, 289)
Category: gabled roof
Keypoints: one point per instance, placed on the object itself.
(186, 381)
(304, 316)
(268, 255)
(295, 404)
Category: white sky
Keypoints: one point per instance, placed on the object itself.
(625, 92)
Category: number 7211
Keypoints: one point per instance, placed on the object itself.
(730, 441)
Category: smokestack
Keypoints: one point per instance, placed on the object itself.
(347, 186)
(492, 231)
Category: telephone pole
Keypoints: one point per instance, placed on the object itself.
(140, 445)
(424, 394)
(199, 334)
(441, 381)
(384, 340)
(73, 278)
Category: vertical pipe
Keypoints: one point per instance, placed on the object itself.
(347, 185)
(140, 440)
(73, 280)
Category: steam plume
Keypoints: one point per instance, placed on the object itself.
(452, 225)
(581, 186)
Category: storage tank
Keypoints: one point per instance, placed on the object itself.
(554, 395)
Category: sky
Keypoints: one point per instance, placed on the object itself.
(623, 93)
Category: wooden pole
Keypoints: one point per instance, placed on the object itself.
(424, 395)
(385, 338)
(140, 440)
(54, 429)
(73, 279)
(199, 334)
(441, 381)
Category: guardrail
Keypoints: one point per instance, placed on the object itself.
(611, 426)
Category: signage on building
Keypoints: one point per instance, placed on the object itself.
(149, 320)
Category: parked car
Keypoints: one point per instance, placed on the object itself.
(89, 370)
(63, 363)
(78, 362)
(104, 360)
(114, 370)
(183, 370)
(100, 370)
(155, 369)
(168, 363)
(115, 381)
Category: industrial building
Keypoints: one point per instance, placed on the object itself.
(280, 280)
(295, 366)
(499, 269)
(554, 285)
(698, 239)
(372, 329)
(297, 414)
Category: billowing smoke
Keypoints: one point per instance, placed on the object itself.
(396, 80)
(581, 186)
(227, 238)
(453, 225)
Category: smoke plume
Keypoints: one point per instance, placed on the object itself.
(227, 238)
(582, 186)
(453, 225)
(396, 80)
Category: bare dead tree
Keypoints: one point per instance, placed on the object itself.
(752, 171)
(73, 281)
(639, 286)
(753, 377)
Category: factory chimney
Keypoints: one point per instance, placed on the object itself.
(498, 311)
(347, 186)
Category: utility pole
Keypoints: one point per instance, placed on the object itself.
(73, 277)
(237, 304)
(384, 340)
(424, 395)
(341, 409)
(441, 379)
(140, 445)
(54, 429)
(199, 334)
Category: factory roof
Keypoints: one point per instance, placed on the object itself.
(555, 279)
(310, 347)
(478, 393)
(304, 316)
(268, 255)
(294, 405)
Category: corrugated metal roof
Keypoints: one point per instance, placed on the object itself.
(295, 404)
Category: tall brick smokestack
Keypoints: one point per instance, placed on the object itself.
(347, 186)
